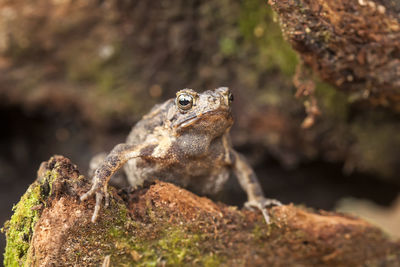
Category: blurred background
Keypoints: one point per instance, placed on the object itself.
(76, 75)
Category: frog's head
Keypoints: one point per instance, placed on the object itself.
(209, 111)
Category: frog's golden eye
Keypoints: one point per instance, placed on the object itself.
(184, 101)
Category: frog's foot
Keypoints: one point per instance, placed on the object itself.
(100, 193)
(262, 205)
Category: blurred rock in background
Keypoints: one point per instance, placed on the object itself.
(387, 218)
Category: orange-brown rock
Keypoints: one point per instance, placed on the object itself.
(164, 224)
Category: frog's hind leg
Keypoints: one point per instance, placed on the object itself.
(249, 182)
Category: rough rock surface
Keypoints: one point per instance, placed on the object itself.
(163, 224)
(354, 45)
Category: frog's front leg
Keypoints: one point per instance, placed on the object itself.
(112, 163)
(249, 182)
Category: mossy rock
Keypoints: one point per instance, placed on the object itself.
(162, 224)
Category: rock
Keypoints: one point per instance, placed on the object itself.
(354, 45)
(164, 224)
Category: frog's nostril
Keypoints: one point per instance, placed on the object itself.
(213, 100)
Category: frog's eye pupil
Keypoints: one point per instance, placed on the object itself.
(185, 101)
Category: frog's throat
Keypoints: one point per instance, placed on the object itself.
(195, 118)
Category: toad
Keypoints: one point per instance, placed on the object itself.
(184, 141)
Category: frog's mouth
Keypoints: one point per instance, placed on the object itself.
(196, 118)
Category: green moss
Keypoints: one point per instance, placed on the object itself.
(228, 46)
(154, 243)
(326, 36)
(333, 102)
(377, 145)
(262, 231)
(19, 228)
(257, 232)
(175, 247)
(107, 77)
(256, 24)
(162, 244)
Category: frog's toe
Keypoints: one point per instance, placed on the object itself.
(99, 198)
(271, 202)
(262, 204)
(100, 194)
(106, 198)
(89, 193)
